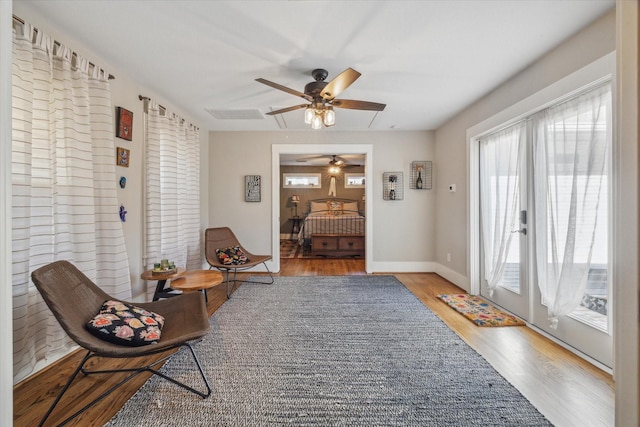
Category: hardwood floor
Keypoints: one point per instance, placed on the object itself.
(566, 389)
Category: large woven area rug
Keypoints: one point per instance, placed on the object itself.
(331, 351)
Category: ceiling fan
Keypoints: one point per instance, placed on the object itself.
(347, 161)
(336, 165)
(322, 97)
(333, 161)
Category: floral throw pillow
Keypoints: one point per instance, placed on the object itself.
(122, 323)
(231, 256)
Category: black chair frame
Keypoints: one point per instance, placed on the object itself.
(74, 299)
(134, 372)
(223, 237)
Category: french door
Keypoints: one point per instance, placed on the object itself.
(544, 218)
(503, 198)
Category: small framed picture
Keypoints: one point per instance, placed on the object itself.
(122, 157)
(124, 123)
(252, 188)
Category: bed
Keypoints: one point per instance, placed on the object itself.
(333, 227)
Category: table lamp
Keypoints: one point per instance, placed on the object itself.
(295, 199)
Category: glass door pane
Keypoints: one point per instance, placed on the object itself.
(502, 218)
(571, 152)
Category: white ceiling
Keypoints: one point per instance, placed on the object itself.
(426, 60)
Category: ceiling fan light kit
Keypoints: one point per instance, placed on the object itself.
(322, 97)
(318, 115)
(334, 170)
(335, 166)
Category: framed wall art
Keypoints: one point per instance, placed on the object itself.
(252, 188)
(122, 157)
(392, 186)
(421, 175)
(124, 123)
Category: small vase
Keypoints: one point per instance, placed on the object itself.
(419, 181)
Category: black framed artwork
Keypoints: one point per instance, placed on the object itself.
(252, 188)
(124, 123)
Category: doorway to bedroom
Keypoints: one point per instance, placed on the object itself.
(319, 202)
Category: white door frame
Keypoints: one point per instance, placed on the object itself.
(278, 149)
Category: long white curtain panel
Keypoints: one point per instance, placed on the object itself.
(172, 208)
(64, 187)
(500, 158)
(571, 146)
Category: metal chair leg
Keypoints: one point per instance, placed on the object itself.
(230, 289)
(64, 389)
(134, 372)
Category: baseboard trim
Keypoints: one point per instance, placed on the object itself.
(452, 276)
(402, 267)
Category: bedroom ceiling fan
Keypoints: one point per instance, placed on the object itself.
(335, 162)
(322, 97)
(335, 165)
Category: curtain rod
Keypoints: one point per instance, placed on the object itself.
(57, 43)
(146, 98)
(163, 108)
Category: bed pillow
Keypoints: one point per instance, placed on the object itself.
(122, 323)
(231, 256)
(335, 208)
(318, 208)
(350, 208)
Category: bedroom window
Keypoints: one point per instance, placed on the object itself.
(353, 180)
(301, 180)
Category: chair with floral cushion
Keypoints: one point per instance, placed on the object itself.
(108, 328)
(224, 252)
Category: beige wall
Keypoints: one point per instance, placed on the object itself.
(404, 231)
(452, 236)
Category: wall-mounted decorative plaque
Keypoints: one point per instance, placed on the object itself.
(421, 175)
(252, 188)
(392, 186)
(122, 157)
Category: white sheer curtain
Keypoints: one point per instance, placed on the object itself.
(172, 189)
(571, 146)
(64, 187)
(500, 156)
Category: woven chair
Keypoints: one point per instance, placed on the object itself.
(223, 237)
(74, 300)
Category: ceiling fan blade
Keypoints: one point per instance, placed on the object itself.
(286, 110)
(342, 81)
(357, 105)
(285, 89)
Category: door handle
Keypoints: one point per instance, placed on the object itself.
(522, 230)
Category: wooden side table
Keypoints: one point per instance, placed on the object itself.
(197, 280)
(162, 278)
